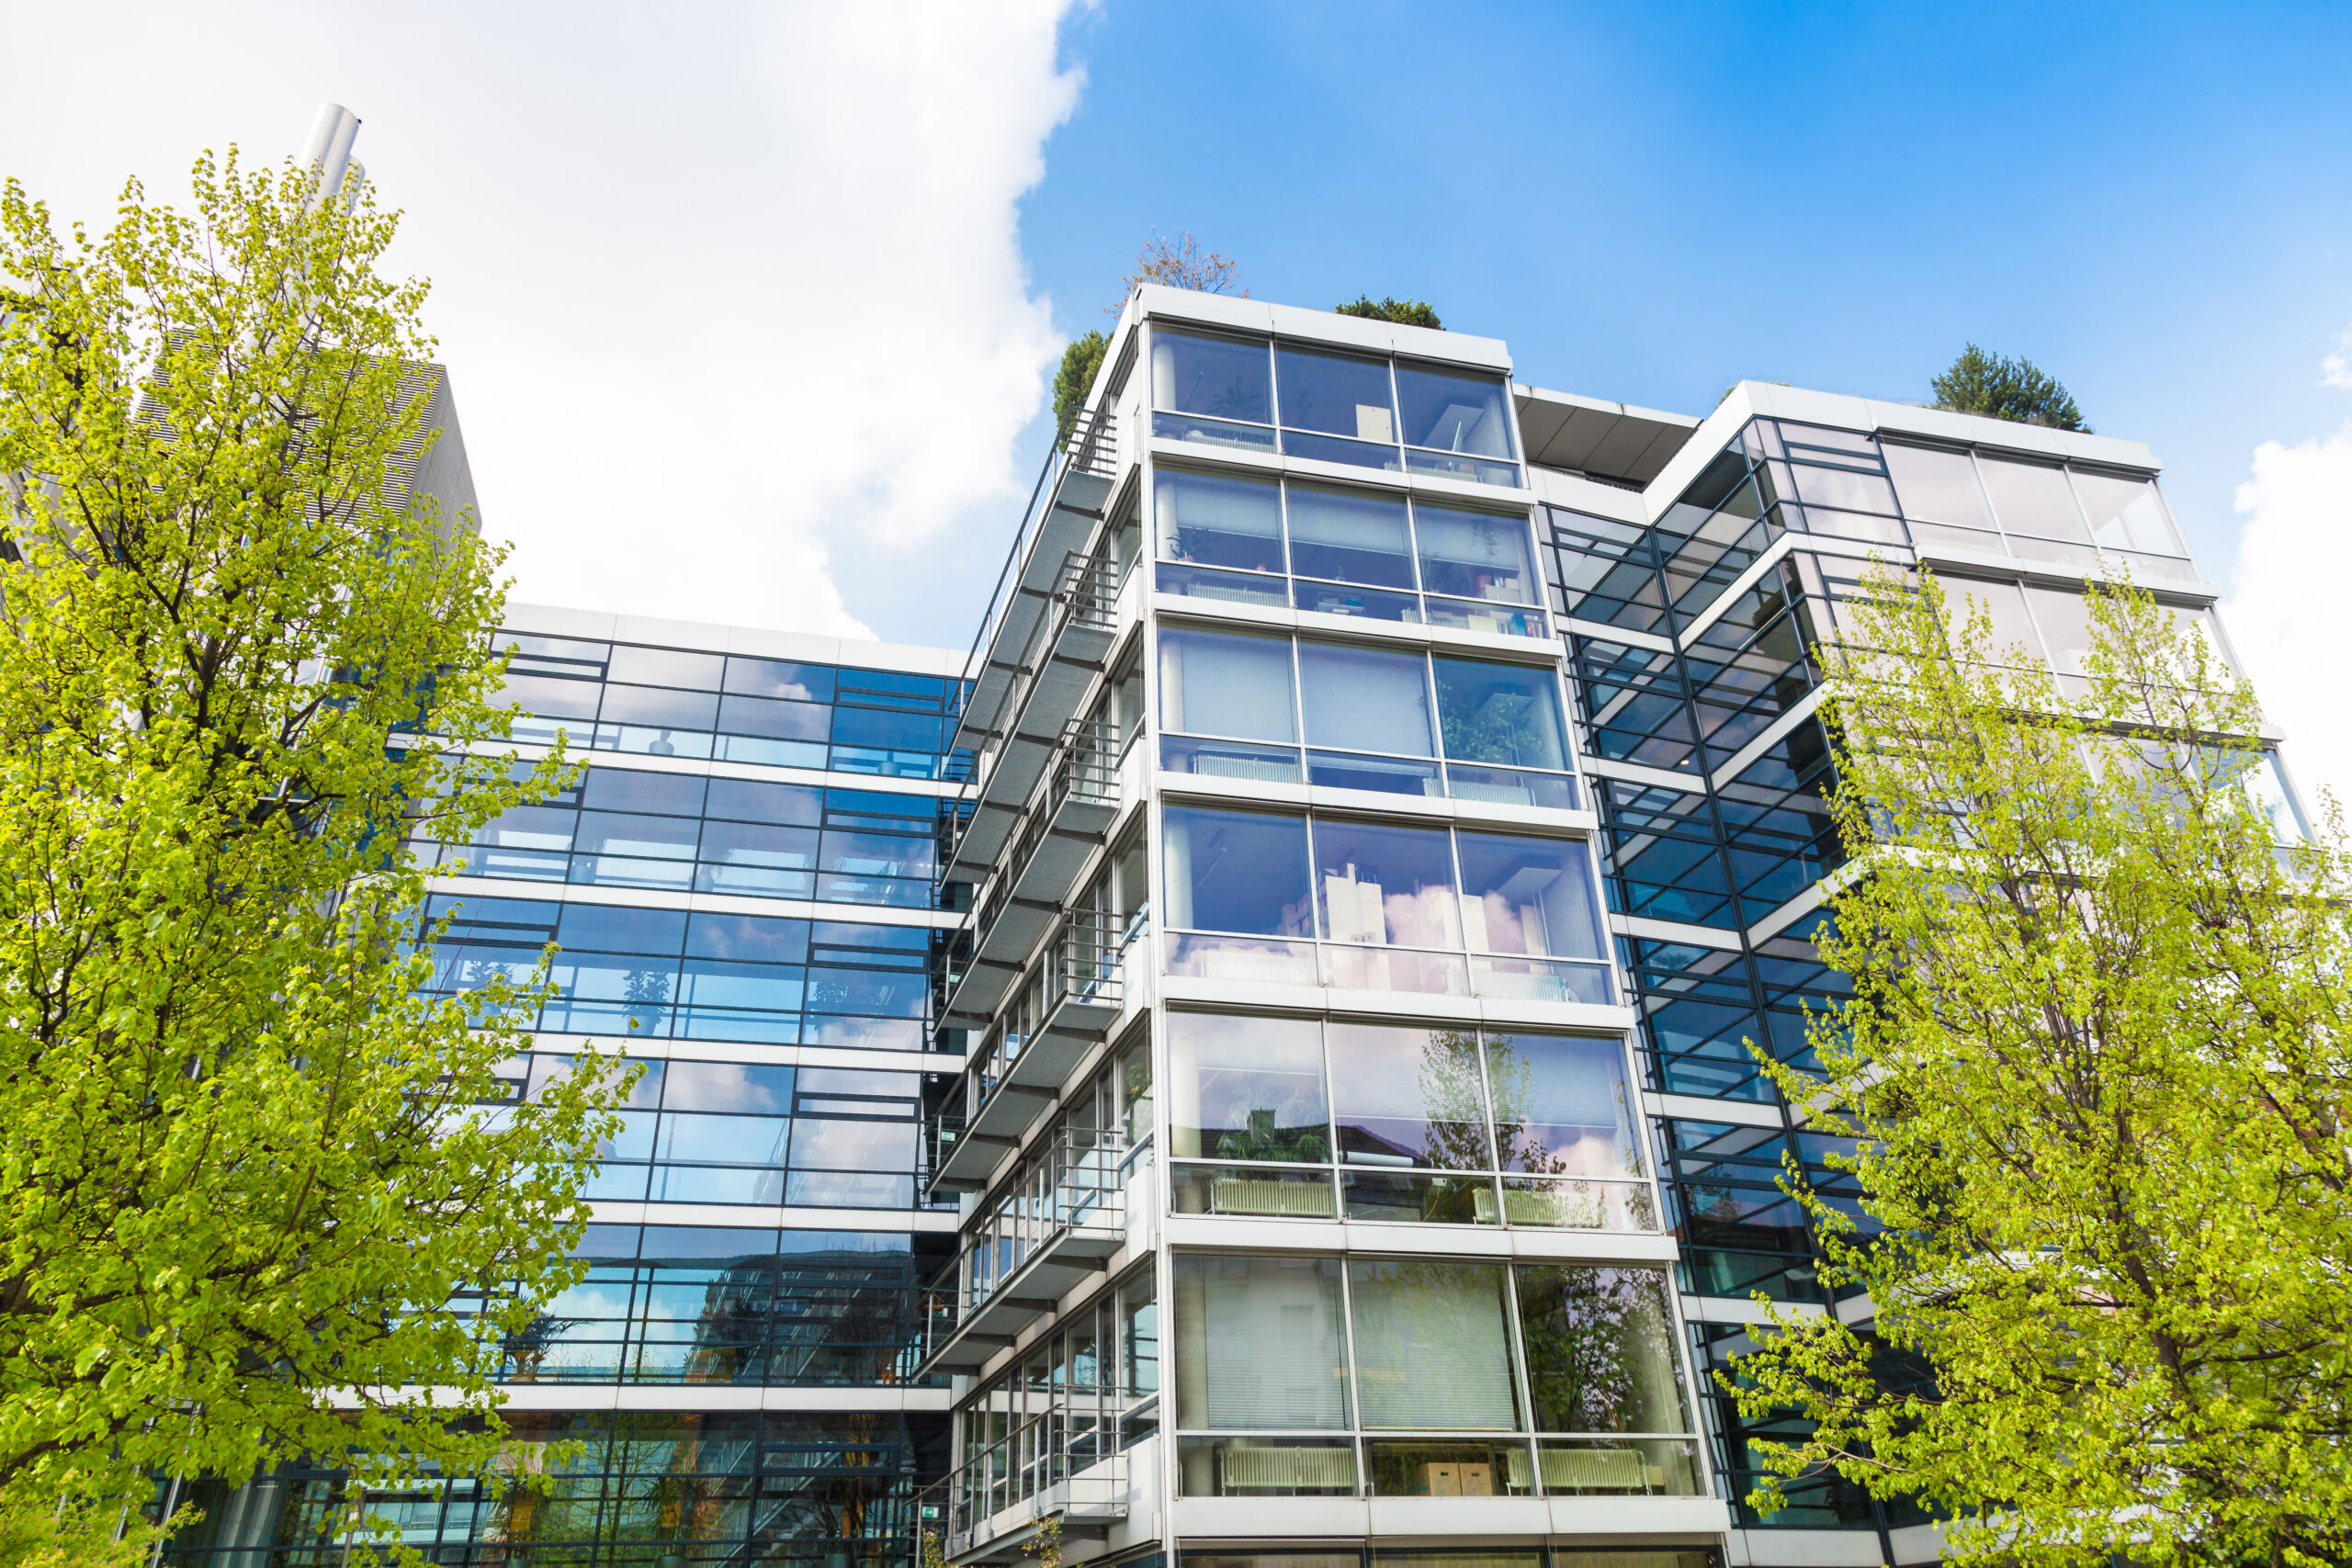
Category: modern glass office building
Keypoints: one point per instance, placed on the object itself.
(1246, 1061)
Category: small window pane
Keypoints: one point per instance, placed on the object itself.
(1247, 1089)
(1264, 1334)
(1528, 895)
(657, 707)
(776, 678)
(1365, 699)
(1404, 1097)
(1508, 714)
(1562, 1107)
(775, 720)
(1212, 521)
(1338, 394)
(1432, 1346)
(1222, 378)
(1474, 554)
(727, 1085)
(627, 789)
(1350, 536)
(1386, 886)
(2033, 498)
(1225, 683)
(1842, 487)
(1454, 410)
(1937, 487)
(745, 800)
(665, 667)
(1236, 871)
(1601, 1354)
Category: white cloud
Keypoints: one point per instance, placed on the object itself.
(724, 290)
(2284, 612)
(2336, 370)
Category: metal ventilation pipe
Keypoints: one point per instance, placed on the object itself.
(329, 152)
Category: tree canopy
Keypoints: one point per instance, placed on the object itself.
(1409, 313)
(1990, 384)
(262, 1193)
(1180, 261)
(2090, 1089)
(1080, 360)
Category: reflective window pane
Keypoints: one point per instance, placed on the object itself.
(1454, 410)
(1937, 487)
(1348, 536)
(1432, 1345)
(1529, 895)
(665, 667)
(1385, 884)
(1222, 378)
(1210, 520)
(1236, 871)
(2126, 515)
(1225, 683)
(1365, 699)
(2003, 605)
(1474, 554)
(1508, 714)
(727, 1085)
(1403, 1097)
(1247, 1089)
(627, 789)
(1338, 394)
(1561, 1106)
(1259, 1343)
(779, 678)
(2033, 498)
(1600, 1351)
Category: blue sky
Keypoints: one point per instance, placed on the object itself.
(2153, 203)
(752, 306)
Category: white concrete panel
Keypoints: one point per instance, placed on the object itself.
(1620, 1516)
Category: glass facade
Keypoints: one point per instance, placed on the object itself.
(1363, 878)
(1690, 657)
(743, 888)
(1242, 539)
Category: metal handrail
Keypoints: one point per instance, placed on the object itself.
(1067, 1447)
(1083, 959)
(1085, 594)
(1089, 444)
(1075, 1180)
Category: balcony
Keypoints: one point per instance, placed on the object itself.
(1063, 1221)
(1058, 834)
(1067, 1463)
(1081, 994)
(1040, 700)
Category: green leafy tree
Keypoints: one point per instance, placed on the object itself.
(2094, 1073)
(1080, 360)
(1409, 313)
(1990, 384)
(257, 1197)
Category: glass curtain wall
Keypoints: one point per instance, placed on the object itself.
(1238, 705)
(1371, 555)
(1361, 410)
(1296, 1119)
(1301, 1376)
(1386, 907)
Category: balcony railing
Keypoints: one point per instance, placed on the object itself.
(1062, 1219)
(1045, 690)
(1064, 506)
(1068, 1463)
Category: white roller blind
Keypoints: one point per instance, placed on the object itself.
(1432, 1346)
